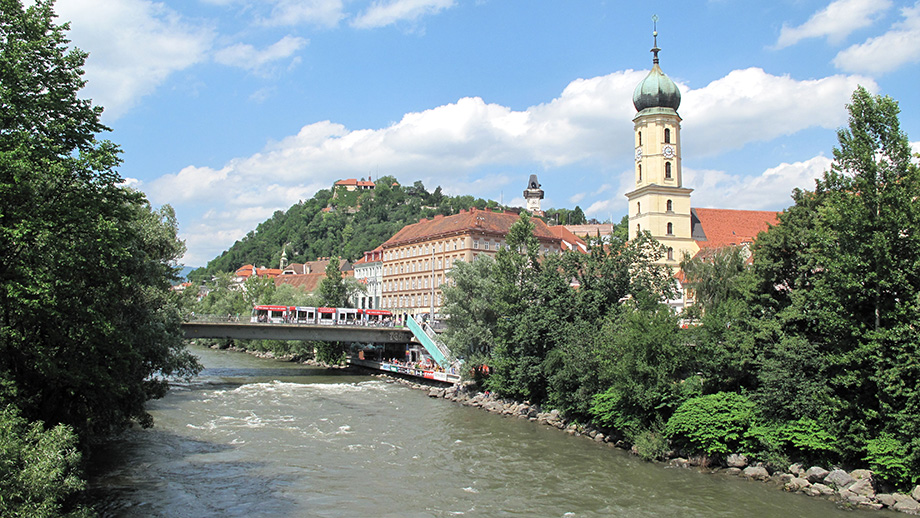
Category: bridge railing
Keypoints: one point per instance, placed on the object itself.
(245, 319)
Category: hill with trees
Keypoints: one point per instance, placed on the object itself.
(347, 224)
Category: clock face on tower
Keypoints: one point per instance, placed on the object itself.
(638, 154)
(668, 152)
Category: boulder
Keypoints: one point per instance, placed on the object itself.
(736, 460)
(815, 474)
(909, 506)
(783, 478)
(885, 499)
(863, 487)
(756, 473)
(860, 474)
(852, 498)
(797, 484)
(916, 493)
(599, 437)
(839, 479)
(435, 393)
(797, 469)
(819, 490)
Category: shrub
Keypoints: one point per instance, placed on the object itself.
(887, 458)
(651, 444)
(38, 468)
(803, 440)
(715, 424)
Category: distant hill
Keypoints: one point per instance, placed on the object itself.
(345, 226)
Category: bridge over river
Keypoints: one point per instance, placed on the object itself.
(322, 333)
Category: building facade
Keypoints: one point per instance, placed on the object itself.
(416, 260)
(369, 272)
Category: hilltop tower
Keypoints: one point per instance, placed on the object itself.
(660, 203)
(533, 194)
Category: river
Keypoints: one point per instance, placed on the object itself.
(252, 437)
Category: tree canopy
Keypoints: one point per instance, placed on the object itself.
(88, 329)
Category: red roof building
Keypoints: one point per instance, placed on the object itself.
(417, 258)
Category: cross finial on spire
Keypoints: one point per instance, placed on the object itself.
(655, 48)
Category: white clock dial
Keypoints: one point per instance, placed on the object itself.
(638, 154)
(668, 152)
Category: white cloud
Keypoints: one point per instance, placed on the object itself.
(895, 48)
(381, 14)
(249, 58)
(836, 21)
(575, 198)
(770, 190)
(461, 145)
(325, 13)
(134, 46)
(753, 106)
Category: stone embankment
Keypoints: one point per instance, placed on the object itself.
(857, 488)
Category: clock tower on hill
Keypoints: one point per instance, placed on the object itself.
(659, 203)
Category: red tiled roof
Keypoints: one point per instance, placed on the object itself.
(349, 181)
(574, 242)
(604, 229)
(308, 282)
(726, 227)
(474, 221)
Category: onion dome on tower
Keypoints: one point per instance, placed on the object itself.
(656, 90)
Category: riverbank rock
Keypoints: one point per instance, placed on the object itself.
(756, 473)
(736, 460)
(907, 505)
(818, 490)
(674, 463)
(797, 484)
(815, 474)
(839, 479)
(916, 493)
(863, 487)
(797, 469)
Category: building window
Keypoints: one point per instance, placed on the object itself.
(670, 252)
(638, 207)
(667, 136)
(670, 206)
(640, 172)
(670, 229)
(476, 244)
(640, 138)
(667, 169)
(638, 229)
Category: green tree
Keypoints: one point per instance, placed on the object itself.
(332, 289)
(469, 300)
(88, 329)
(841, 272)
(39, 469)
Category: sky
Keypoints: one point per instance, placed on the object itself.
(229, 110)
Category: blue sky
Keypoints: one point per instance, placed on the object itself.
(229, 110)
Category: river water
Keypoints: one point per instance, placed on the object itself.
(252, 437)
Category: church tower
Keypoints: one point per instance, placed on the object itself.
(660, 203)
